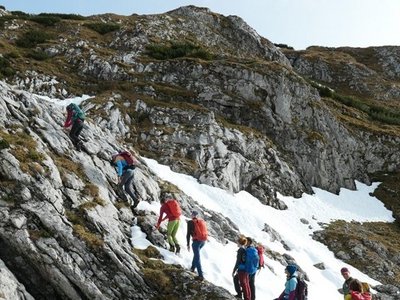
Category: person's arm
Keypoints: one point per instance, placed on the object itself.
(120, 167)
(190, 229)
(68, 121)
(292, 289)
(160, 218)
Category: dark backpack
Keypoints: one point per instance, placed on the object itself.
(252, 260)
(200, 230)
(174, 208)
(128, 157)
(301, 288)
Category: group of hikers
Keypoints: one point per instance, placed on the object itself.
(249, 257)
(125, 163)
(353, 289)
(196, 230)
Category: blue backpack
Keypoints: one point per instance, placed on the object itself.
(252, 260)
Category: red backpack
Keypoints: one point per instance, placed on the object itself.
(200, 230)
(260, 250)
(128, 157)
(174, 208)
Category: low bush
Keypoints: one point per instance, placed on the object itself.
(176, 50)
(45, 20)
(32, 38)
(103, 28)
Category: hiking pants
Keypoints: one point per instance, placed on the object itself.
(245, 284)
(252, 286)
(196, 263)
(236, 283)
(126, 182)
(172, 229)
(76, 129)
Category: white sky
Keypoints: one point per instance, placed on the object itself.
(250, 216)
(297, 23)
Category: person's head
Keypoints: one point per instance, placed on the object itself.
(249, 241)
(355, 286)
(195, 214)
(242, 241)
(290, 269)
(165, 196)
(345, 273)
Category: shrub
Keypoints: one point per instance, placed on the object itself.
(63, 16)
(176, 50)
(103, 28)
(45, 20)
(5, 67)
(19, 13)
(38, 55)
(4, 144)
(32, 38)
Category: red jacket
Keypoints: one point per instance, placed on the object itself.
(360, 296)
(164, 209)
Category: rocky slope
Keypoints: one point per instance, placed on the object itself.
(202, 93)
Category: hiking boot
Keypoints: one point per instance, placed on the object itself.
(238, 296)
(192, 270)
(178, 249)
(199, 278)
(172, 248)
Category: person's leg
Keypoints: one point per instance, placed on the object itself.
(237, 285)
(252, 286)
(196, 246)
(173, 235)
(170, 228)
(75, 131)
(244, 283)
(126, 182)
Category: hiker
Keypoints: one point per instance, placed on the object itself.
(240, 277)
(252, 265)
(348, 279)
(289, 292)
(125, 162)
(356, 291)
(197, 229)
(170, 207)
(75, 117)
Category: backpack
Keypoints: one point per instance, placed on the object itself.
(128, 157)
(79, 113)
(174, 208)
(365, 287)
(260, 251)
(200, 230)
(301, 288)
(252, 260)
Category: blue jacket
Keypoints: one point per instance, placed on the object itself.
(121, 164)
(290, 288)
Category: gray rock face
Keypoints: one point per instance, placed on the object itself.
(62, 231)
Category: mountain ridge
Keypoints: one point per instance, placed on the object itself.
(233, 110)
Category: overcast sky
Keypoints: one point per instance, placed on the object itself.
(297, 23)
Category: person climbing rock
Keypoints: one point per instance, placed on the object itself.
(76, 118)
(125, 163)
(170, 207)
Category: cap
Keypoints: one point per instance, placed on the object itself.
(344, 270)
(291, 269)
(194, 214)
(167, 196)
